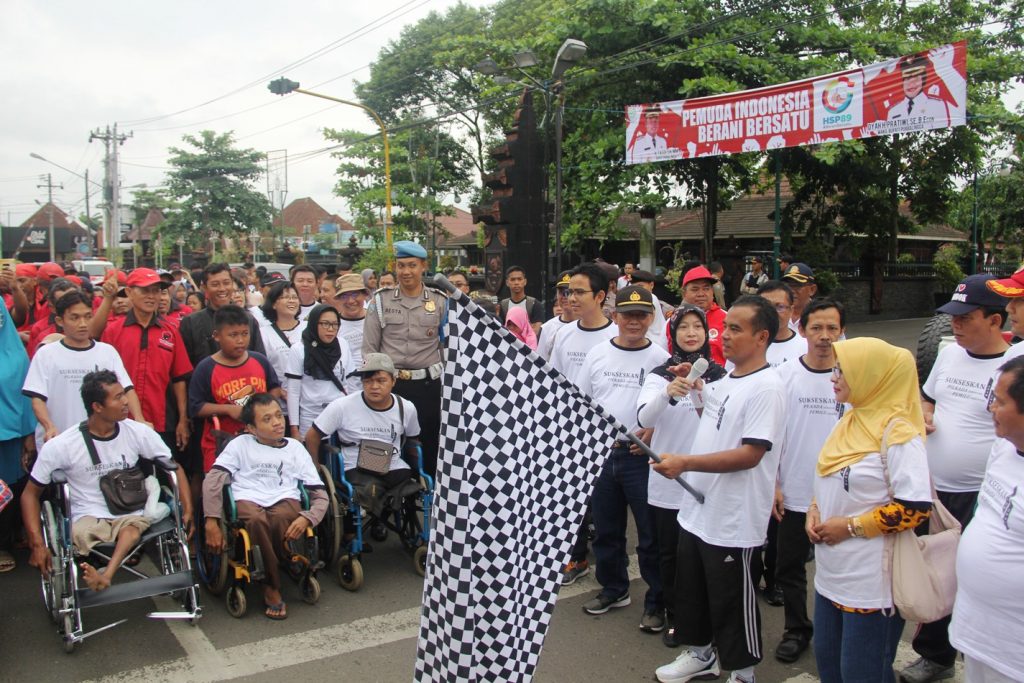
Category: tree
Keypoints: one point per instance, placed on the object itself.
(143, 200)
(213, 187)
(427, 166)
(656, 50)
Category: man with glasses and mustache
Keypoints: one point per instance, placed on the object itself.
(588, 287)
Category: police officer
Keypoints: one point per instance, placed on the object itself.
(406, 322)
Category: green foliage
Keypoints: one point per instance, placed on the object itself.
(427, 165)
(656, 50)
(377, 258)
(828, 283)
(999, 207)
(143, 200)
(905, 258)
(947, 267)
(213, 187)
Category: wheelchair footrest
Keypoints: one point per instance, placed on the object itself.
(135, 590)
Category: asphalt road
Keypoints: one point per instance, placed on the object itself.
(369, 635)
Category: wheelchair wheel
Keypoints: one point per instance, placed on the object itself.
(330, 530)
(310, 590)
(350, 573)
(52, 585)
(419, 560)
(213, 569)
(378, 531)
(235, 601)
(69, 628)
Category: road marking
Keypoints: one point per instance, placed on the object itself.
(204, 662)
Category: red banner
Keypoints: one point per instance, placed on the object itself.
(923, 91)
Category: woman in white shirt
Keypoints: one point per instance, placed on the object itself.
(316, 369)
(856, 627)
(280, 326)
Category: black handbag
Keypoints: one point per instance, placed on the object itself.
(124, 490)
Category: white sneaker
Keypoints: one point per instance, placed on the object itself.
(688, 666)
(736, 678)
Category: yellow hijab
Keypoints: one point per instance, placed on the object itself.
(883, 387)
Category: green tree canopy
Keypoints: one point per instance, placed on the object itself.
(213, 187)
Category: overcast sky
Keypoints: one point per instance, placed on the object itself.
(71, 67)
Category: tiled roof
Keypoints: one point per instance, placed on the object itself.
(145, 231)
(460, 226)
(305, 211)
(61, 221)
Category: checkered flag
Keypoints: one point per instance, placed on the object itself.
(520, 450)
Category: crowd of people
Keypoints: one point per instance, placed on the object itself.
(804, 444)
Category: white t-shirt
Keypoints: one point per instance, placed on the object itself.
(55, 375)
(987, 623)
(546, 340)
(67, 451)
(674, 430)
(305, 310)
(257, 313)
(656, 332)
(850, 572)
(614, 375)
(277, 348)
(961, 386)
(354, 420)
(263, 474)
(307, 396)
(811, 413)
(1014, 351)
(737, 411)
(352, 332)
(573, 343)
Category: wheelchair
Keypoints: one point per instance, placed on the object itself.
(241, 563)
(394, 510)
(65, 600)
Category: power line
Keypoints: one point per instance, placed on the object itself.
(316, 54)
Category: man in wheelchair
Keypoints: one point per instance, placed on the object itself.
(371, 426)
(264, 470)
(104, 443)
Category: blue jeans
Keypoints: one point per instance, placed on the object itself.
(621, 484)
(854, 648)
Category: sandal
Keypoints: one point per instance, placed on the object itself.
(7, 562)
(277, 612)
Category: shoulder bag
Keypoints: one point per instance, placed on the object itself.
(124, 490)
(375, 456)
(922, 568)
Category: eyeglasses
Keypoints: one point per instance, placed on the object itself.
(355, 294)
(329, 325)
(562, 291)
(578, 292)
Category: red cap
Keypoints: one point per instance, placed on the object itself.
(122, 279)
(144, 277)
(1011, 287)
(74, 279)
(697, 273)
(26, 270)
(49, 271)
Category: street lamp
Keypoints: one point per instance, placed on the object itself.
(571, 51)
(283, 86)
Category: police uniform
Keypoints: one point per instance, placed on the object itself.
(410, 330)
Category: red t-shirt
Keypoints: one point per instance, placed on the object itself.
(37, 333)
(214, 382)
(716, 323)
(154, 357)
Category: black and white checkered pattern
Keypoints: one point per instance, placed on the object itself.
(520, 450)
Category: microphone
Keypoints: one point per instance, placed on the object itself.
(700, 366)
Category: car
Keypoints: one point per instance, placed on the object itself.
(97, 269)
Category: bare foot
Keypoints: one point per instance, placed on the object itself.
(94, 578)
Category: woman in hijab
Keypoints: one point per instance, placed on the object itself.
(316, 369)
(17, 429)
(856, 627)
(666, 405)
(518, 323)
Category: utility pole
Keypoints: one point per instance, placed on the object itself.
(112, 186)
(49, 189)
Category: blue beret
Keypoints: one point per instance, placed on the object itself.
(407, 249)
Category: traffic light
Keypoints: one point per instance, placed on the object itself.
(282, 86)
